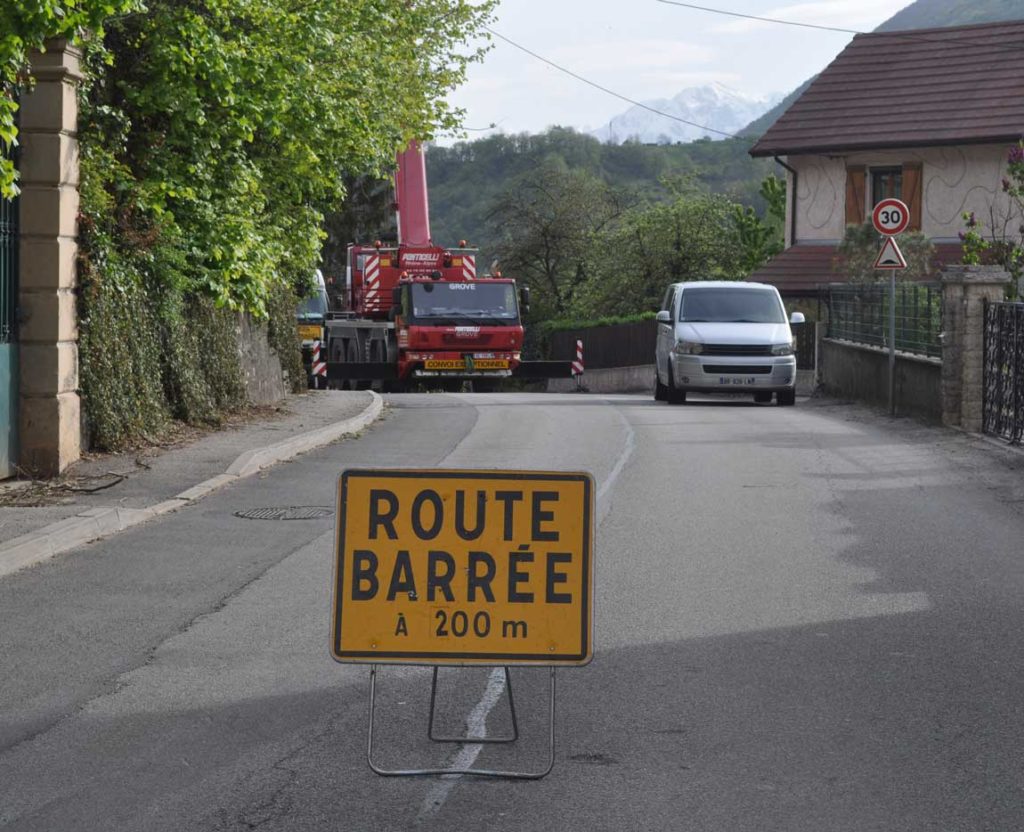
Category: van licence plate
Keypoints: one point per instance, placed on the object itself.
(730, 380)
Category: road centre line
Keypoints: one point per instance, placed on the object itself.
(477, 721)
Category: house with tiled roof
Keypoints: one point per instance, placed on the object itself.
(926, 115)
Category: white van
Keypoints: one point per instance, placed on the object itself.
(725, 336)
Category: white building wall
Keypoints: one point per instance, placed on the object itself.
(954, 180)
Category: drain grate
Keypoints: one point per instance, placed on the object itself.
(285, 513)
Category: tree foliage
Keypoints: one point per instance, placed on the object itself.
(549, 223)
(689, 238)
(857, 253)
(225, 127)
(589, 250)
(215, 136)
(26, 25)
(759, 238)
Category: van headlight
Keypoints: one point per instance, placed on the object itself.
(783, 349)
(688, 348)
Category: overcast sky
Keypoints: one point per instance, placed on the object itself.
(645, 49)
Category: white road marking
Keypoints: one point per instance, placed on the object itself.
(477, 721)
(476, 726)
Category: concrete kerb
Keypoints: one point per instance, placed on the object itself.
(98, 523)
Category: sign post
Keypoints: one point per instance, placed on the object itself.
(891, 217)
(464, 567)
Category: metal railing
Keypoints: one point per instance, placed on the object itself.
(1003, 400)
(805, 345)
(860, 313)
(8, 268)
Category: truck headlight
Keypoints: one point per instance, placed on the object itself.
(688, 348)
(783, 349)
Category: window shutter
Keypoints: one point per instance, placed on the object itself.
(912, 193)
(855, 175)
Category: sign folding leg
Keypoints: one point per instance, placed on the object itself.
(513, 775)
(474, 740)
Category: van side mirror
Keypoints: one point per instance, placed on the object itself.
(664, 317)
(524, 300)
(797, 318)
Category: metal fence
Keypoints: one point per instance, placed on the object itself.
(805, 345)
(8, 268)
(618, 345)
(860, 313)
(1003, 413)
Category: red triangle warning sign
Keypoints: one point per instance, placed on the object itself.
(890, 257)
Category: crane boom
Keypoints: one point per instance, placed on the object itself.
(411, 205)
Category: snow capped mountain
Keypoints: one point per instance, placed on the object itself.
(713, 106)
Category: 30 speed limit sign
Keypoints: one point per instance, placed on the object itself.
(891, 216)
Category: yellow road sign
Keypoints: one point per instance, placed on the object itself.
(464, 567)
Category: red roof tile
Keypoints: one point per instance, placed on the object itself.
(925, 87)
(801, 269)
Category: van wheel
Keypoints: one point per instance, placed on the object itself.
(673, 395)
(762, 398)
(660, 390)
(786, 397)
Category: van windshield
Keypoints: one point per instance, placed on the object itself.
(731, 305)
(313, 307)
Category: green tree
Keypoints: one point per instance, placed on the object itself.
(857, 253)
(690, 238)
(26, 25)
(233, 122)
(215, 137)
(760, 239)
(547, 225)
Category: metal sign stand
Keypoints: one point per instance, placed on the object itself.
(476, 772)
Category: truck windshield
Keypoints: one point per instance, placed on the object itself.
(731, 305)
(459, 303)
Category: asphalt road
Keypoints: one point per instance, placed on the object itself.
(807, 618)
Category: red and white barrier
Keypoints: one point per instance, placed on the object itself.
(317, 367)
(577, 365)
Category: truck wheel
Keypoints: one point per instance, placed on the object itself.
(337, 356)
(484, 385)
(352, 357)
(786, 397)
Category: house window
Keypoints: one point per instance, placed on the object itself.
(886, 183)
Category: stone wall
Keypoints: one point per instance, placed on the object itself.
(859, 371)
(265, 381)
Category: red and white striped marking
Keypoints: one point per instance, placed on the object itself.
(317, 366)
(468, 267)
(577, 365)
(371, 283)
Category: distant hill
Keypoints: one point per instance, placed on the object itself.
(922, 14)
(714, 105)
(928, 14)
(466, 180)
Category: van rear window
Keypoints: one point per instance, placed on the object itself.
(728, 305)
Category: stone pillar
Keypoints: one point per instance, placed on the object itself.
(964, 292)
(49, 407)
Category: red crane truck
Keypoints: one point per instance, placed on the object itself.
(415, 312)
